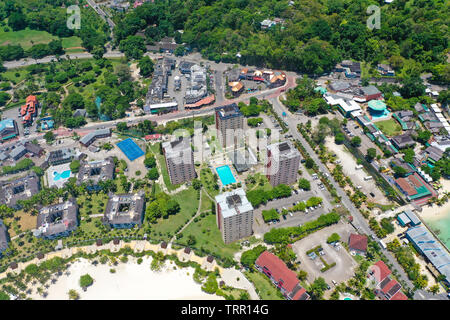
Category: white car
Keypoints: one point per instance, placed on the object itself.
(306, 210)
(290, 213)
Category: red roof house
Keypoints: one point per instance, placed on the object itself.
(358, 243)
(380, 271)
(284, 278)
(387, 288)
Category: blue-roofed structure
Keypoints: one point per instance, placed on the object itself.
(8, 129)
(424, 241)
(415, 221)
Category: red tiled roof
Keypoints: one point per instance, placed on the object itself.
(389, 285)
(383, 270)
(414, 181)
(399, 296)
(278, 270)
(358, 242)
(152, 136)
(299, 294)
(32, 99)
(403, 183)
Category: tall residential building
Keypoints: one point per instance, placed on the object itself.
(282, 163)
(234, 215)
(228, 119)
(179, 160)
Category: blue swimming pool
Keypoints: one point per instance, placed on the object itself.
(225, 175)
(63, 175)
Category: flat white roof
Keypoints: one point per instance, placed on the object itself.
(229, 210)
(163, 105)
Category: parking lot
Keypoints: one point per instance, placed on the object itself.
(14, 114)
(345, 264)
(297, 218)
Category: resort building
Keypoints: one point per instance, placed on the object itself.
(433, 251)
(281, 276)
(34, 149)
(386, 288)
(29, 111)
(62, 156)
(94, 172)
(57, 220)
(8, 129)
(4, 238)
(282, 163)
(229, 119)
(369, 93)
(18, 189)
(125, 210)
(179, 160)
(88, 139)
(234, 215)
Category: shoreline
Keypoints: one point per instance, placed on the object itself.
(131, 281)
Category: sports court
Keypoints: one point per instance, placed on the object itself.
(130, 149)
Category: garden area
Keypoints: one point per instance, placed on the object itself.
(389, 127)
(263, 286)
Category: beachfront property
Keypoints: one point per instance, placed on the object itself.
(434, 252)
(281, 276)
(357, 244)
(234, 215)
(88, 139)
(4, 238)
(124, 211)
(386, 287)
(62, 156)
(179, 160)
(413, 187)
(408, 218)
(282, 163)
(8, 129)
(229, 119)
(18, 189)
(94, 172)
(58, 220)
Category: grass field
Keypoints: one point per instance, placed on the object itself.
(189, 205)
(389, 127)
(27, 38)
(265, 289)
(162, 165)
(92, 204)
(206, 202)
(208, 236)
(24, 221)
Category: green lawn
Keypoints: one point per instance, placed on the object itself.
(206, 202)
(189, 205)
(263, 286)
(15, 75)
(207, 179)
(27, 38)
(162, 164)
(208, 237)
(389, 127)
(92, 204)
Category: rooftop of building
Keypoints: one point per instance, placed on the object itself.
(233, 202)
(125, 208)
(57, 218)
(283, 150)
(357, 242)
(18, 189)
(228, 111)
(96, 171)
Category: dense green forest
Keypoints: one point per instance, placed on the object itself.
(314, 36)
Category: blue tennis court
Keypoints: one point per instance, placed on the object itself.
(130, 149)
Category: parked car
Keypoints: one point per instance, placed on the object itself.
(284, 216)
(290, 213)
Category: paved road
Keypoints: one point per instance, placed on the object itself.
(358, 220)
(102, 14)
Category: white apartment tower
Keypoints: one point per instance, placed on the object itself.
(179, 160)
(234, 215)
(282, 163)
(229, 122)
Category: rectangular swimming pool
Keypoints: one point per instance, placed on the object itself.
(225, 175)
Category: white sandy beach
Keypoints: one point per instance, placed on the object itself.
(130, 282)
(436, 212)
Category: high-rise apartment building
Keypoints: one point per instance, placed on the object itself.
(179, 160)
(282, 163)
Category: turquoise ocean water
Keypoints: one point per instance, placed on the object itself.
(443, 225)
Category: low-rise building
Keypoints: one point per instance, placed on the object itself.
(357, 243)
(413, 187)
(88, 139)
(8, 129)
(386, 287)
(125, 210)
(18, 189)
(281, 276)
(403, 141)
(234, 215)
(58, 220)
(433, 251)
(95, 172)
(61, 156)
(4, 238)
(386, 70)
